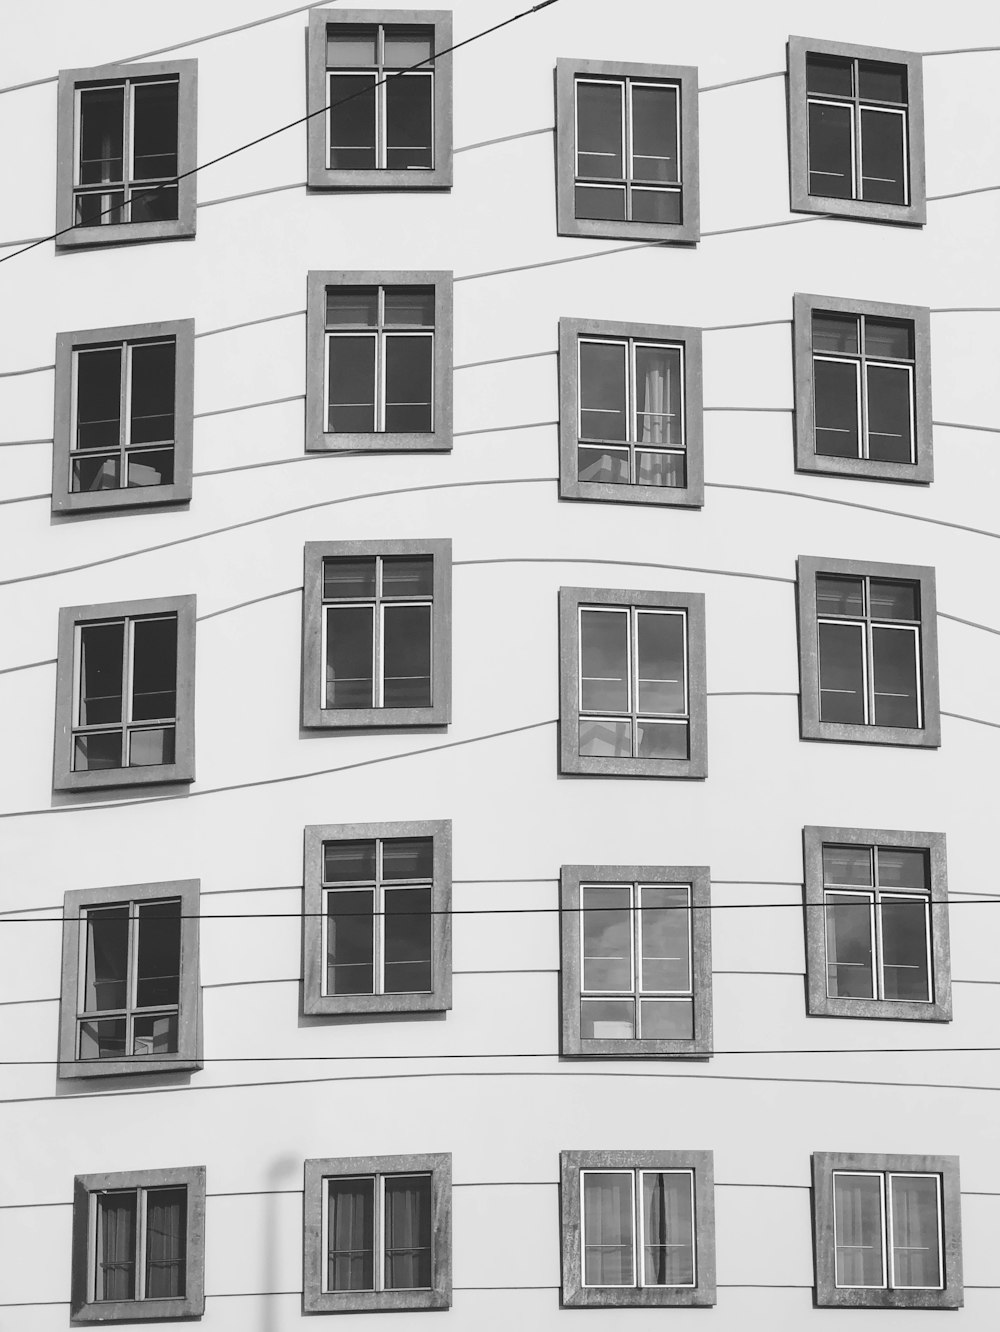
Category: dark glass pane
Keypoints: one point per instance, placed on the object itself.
(597, 464)
(889, 406)
(660, 469)
(836, 408)
(350, 47)
(352, 123)
(116, 1241)
(654, 134)
(662, 206)
(166, 1237)
(882, 157)
(916, 1240)
(407, 1232)
(889, 338)
(606, 739)
(349, 657)
(830, 151)
(607, 1228)
(409, 306)
(668, 1228)
(101, 673)
(658, 396)
(847, 864)
(407, 940)
(666, 1019)
(664, 931)
(607, 939)
(101, 750)
(905, 972)
(406, 658)
(409, 382)
(102, 120)
(837, 333)
(103, 1039)
(830, 75)
(839, 596)
(407, 857)
(663, 740)
(895, 678)
(841, 673)
(96, 210)
(349, 862)
(603, 391)
(351, 1235)
(95, 473)
(607, 1019)
(600, 203)
(849, 972)
(105, 984)
(661, 663)
(158, 204)
(98, 398)
(409, 122)
(352, 305)
(599, 131)
(351, 384)
(154, 668)
(155, 1035)
(893, 601)
(350, 943)
(153, 392)
(345, 579)
(154, 131)
(154, 468)
(407, 575)
(408, 46)
(902, 869)
(148, 748)
(604, 661)
(158, 959)
(858, 1217)
(881, 83)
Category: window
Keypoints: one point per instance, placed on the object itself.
(379, 362)
(126, 136)
(868, 652)
(378, 1234)
(377, 922)
(124, 404)
(856, 131)
(377, 634)
(630, 416)
(131, 997)
(627, 151)
(125, 694)
(636, 960)
(862, 389)
(387, 100)
(638, 1228)
(632, 687)
(139, 1246)
(888, 1231)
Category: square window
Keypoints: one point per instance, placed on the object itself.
(376, 634)
(868, 652)
(630, 413)
(636, 977)
(862, 389)
(125, 694)
(627, 151)
(638, 1228)
(632, 683)
(124, 417)
(377, 922)
(378, 362)
(888, 1231)
(377, 1234)
(126, 146)
(380, 102)
(131, 994)
(139, 1246)
(856, 131)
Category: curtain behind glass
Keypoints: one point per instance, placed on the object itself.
(166, 1216)
(857, 1209)
(407, 1232)
(916, 1259)
(351, 1235)
(116, 1217)
(668, 1226)
(607, 1229)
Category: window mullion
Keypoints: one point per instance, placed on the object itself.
(627, 163)
(636, 1183)
(635, 898)
(140, 1243)
(378, 920)
(379, 1231)
(631, 406)
(889, 1264)
(128, 650)
(132, 978)
(128, 132)
(125, 410)
(377, 630)
(633, 675)
(857, 165)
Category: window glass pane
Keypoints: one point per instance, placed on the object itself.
(890, 405)
(849, 947)
(101, 750)
(834, 332)
(408, 46)
(603, 390)
(407, 575)
(351, 1235)
(349, 657)
(407, 1232)
(605, 465)
(101, 673)
(357, 306)
(409, 381)
(409, 120)
(353, 117)
(664, 929)
(841, 673)
(661, 663)
(350, 47)
(152, 205)
(606, 739)
(839, 596)
(832, 75)
(658, 396)
(902, 869)
(345, 579)
(607, 939)
(95, 473)
(148, 748)
(155, 468)
(655, 206)
(666, 1019)
(409, 306)
(407, 858)
(831, 151)
(103, 1039)
(166, 1218)
(154, 131)
(105, 984)
(905, 971)
(881, 83)
(599, 203)
(836, 408)
(349, 862)
(406, 661)
(350, 942)
(607, 1019)
(847, 865)
(895, 678)
(607, 1229)
(407, 940)
(668, 1228)
(857, 1211)
(889, 338)
(883, 157)
(102, 120)
(94, 210)
(599, 130)
(604, 661)
(916, 1258)
(663, 740)
(98, 398)
(158, 957)
(654, 134)
(660, 469)
(154, 668)
(116, 1241)
(154, 1034)
(351, 384)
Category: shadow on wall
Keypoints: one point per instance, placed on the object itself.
(283, 1170)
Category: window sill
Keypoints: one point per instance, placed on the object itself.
(677, 497)
(667, 233)
(859, 210)
(136, 1066)
(156, 775)
(863, 469)
(345, 1005)
(348, 719)
(925, 737)
(127, 233)
(573, 763)
(137, 497)
(384, 441)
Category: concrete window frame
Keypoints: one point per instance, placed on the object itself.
(822, 1004)
(322, 177)
(698, 877)
(68, 345)
(120, 233)
(912, 214)
(571, 331)
(316, 1300)
(182, 769)
(806, 457)
(189, 1055)
(576, 1295)
(571, 761)
(927, 736)
(83, 1307)
(827, 1293)
(438, 998)
(686, 232)
(315, 716)
(318, 438)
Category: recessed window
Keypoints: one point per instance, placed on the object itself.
(627, 148)
(630, 413)
(126, 136)
(856, 117)
(379, 100)
(379, 349)
(868, 648)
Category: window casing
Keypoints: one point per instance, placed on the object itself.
(888, 1231)
(139, 1246)
(868, 652)
(377, 1234)
(856, 129)
(124, 417)
(630, 418)
(379, 361)
(126, 135)
(627, 150)
(638, 1228)
(393, 127)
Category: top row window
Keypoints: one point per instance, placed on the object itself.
(380, 118)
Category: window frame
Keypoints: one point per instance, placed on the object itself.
(119, 233)
(84, 1309)
(912, 214)
(927, 736)
(318, 439)
(317, 717)
(571, 333)
(68, 345)
(827, 1293)
(322, 177)
(686, 232)
(182, 769)
(806, 458)
(571, 601)
(438, 1295)
(574, 1294)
